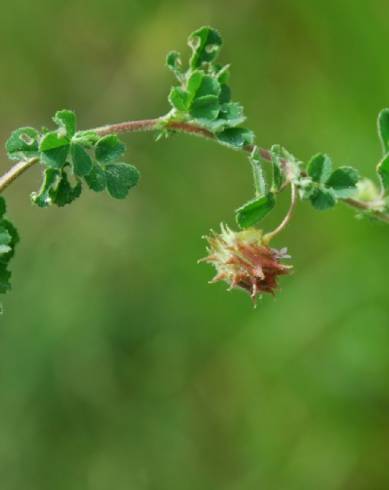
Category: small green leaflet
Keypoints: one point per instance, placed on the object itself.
(236, 137)
(82, 162)
(109, 149)
(323, 198)
(254, 211)
(383, 172)
(42, 198)
(343, 182)
(54, 149)
(320, 168)
(383, 129)
(9, 237)
(67, 121)
(96, 179)
(323, 187)
(23, 144)
(205, 43)
(120, 178)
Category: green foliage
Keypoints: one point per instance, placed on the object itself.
(120, 178)
(201, 103)
(383, 129)
(254, 211)
(23, 144)
(203, 95)
(324, 187)
(383, 172)
(8, 239)
(68, 157)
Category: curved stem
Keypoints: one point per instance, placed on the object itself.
(288, 216)
(14, 172)
(158, 124)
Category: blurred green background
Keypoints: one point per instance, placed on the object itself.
(120, 367)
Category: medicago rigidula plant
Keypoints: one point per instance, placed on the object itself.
(201, 105)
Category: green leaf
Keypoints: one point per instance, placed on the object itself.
(278, 174)
(174, 63)
(109, 148)
(205, 43)
(96, 179)
(54, 149)
(51, 178)
(14, 238)
(67, 121)
(258, 174)
(343, 182)
(23, 144)
(64, 193)
(206, 107)
(3, 206)
(323, 198)
(120, 178)
(383, 129)
(254, 211)
(200, 85)
(320, 168)
(225, 93)
(87, 139)
(236, 137)
(82, 162)
(383, 172)
(179, 99)
(5, 240)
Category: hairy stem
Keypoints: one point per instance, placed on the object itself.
(158, 124)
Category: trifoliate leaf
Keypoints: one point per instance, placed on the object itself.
(82, 162)
(254, 211)
(96, 179)
(383, 129)
(54, 149)
(179, 99)
(320, 168)
(109, 149)
(174, 63)
(120, 178)
(323, 198)
(3, 206)
(205, 43)
(383, 171)
(206, 107)
(343, 182)
(23, 144)
(64, 193)
(67, 121)
(51, 179)
(236, 137)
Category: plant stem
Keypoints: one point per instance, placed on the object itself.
(288, 216)
(181, 127)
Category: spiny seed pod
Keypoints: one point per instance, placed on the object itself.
(244, 260)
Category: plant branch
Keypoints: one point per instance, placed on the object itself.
(161, 123)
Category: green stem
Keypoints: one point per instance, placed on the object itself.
(288, 216)
(182, 127)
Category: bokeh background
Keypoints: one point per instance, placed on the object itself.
(120, 368)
